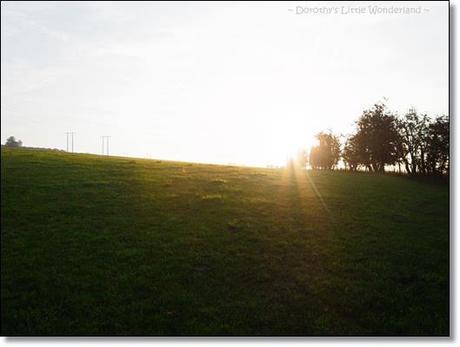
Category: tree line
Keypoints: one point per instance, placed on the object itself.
(413, 144)
(12, 142)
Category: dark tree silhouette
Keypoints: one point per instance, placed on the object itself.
(326, 155)
(413, 130)
(351, 154)
(414, 141)
(11, 142)
(437, 161)
(376, 139)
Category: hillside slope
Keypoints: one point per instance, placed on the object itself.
(113, 246)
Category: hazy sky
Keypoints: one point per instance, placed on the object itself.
(243, 83)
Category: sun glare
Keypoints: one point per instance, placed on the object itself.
(286, 145)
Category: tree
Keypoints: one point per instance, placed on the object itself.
(437, 146)
(351, 154)
(11, 142)
(414, 131)
(327, 154)
(383, 139)
(376, 140)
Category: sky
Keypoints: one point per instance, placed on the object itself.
(231, 83)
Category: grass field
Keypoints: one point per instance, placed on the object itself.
(117, 246)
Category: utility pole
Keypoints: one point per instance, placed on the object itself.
(67, 138)
(105, 144)
(72, 133)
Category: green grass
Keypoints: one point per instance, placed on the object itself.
(122, 246)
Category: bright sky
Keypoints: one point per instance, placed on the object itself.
(242, 83)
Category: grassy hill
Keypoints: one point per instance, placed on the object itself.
(114, 246)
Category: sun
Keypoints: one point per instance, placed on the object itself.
(287, 145)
